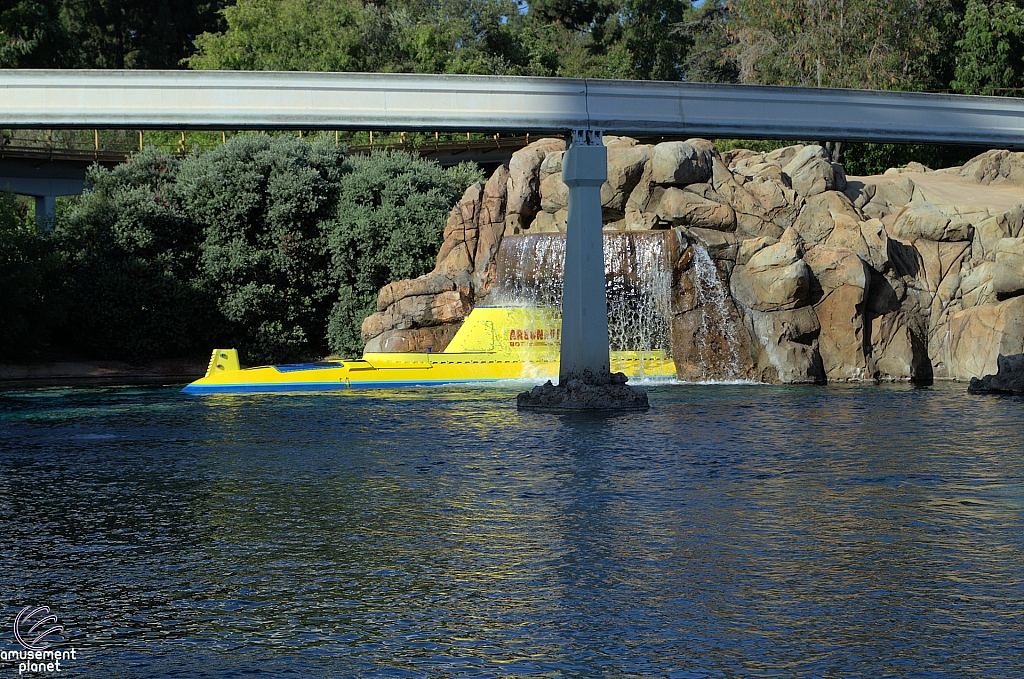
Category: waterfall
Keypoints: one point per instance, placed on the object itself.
(717, 340)
(638, 278)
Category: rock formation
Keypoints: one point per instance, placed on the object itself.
(606, 391)
(911, 275)
(1009, 379)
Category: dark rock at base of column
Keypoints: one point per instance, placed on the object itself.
(1009, 377)
(586, 391)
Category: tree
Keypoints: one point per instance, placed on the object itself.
(593, 38)
(32, 35)
(137, 33)
(653, 46)
(261, 204)
(132, 256)
(990, 53)
(31, 299)
(388, 226)
(285, 35)
(875, 44)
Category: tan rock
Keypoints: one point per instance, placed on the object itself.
(841, 284)
(490, 229)
(788, 346)
(818, 217)
(720, 245)
(995, 167)
(554, 194)
(751, 246)
(893, 352)
(552, 164)
(772, 289)
(680, 163)
(918, 221)
(523, 188)
(810, 171)
(683, 208)
(427, 284)
(976, 286)
(968, 344)
(626, 165)
(781, 157)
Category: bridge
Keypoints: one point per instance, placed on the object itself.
(579, 109)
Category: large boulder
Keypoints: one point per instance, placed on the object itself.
(810, 171)
(969, 342)
(787, 346)
(822, 212)
(626, 165)
(773, 279)
(917, 221)
(839, 291)
(1008, 273)
(682, 162)
(680, 207)
(524, 183)
(995, 167)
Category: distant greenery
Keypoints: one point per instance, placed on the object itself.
(31, 303)
(261, 244)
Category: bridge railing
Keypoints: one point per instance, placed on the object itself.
(112, 146)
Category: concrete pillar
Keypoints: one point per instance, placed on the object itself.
(46, 211)
(584, 307)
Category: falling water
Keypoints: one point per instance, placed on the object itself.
(721, 358)
(638, 284)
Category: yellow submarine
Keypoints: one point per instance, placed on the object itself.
(494, 343)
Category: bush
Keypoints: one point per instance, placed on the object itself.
(31, 300)
(273, 245)
(263, 204)
(132, 254)
(389, 224)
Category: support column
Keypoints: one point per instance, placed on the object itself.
(584, 306)
(46, 211)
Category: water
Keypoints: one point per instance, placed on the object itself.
(638, 283)
(731, 531)
(720, 356)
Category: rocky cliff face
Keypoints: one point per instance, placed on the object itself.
(909, 275)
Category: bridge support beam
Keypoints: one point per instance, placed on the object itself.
(584, 306)
(35, 183)
(584, 379)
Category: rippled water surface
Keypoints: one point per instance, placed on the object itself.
(732, 531)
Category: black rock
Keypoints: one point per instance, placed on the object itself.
(586, 391)
(1009, 377)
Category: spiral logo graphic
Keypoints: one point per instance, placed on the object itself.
(33, 638)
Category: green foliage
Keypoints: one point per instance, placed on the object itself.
(990, 53)
(261, 203)
(862, 159)
(31, 301)
(32, 35)
(759, 145)
(260, 244)
(654, 49)
(389, 226)
(137, 33)
(132, 254)
(588, 38)
(877, 44)
(287, 35)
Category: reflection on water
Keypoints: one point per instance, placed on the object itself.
(732, 531)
